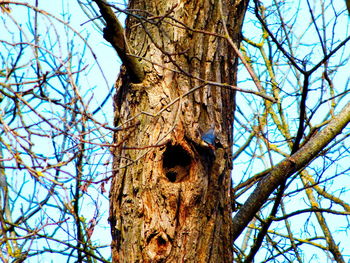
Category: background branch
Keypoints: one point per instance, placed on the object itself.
(288, 167)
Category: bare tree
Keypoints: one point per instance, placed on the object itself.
(310, 84)
(177, 207)
(230, 138)
(152, 212)
(52, 137)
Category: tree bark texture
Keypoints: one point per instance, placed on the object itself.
(170, 195)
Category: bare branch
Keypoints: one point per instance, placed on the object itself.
(114, 33)
(288, 167)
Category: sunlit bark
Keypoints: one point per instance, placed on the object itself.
(170, 197)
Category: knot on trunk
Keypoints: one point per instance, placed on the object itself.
(158, 246)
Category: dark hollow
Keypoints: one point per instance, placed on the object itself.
(171, 176)
(175, 156)
(161, 241)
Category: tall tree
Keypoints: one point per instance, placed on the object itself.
(173, 144)
(171, 193)
(170, 198)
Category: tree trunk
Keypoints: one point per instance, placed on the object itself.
(170, 195)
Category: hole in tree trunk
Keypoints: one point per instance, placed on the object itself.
(161, 241)
(176, 163)
(175, 155)
(158, 247)
(171, 175)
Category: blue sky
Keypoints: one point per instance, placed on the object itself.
(97, 80)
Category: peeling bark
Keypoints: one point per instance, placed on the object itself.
(170, 195)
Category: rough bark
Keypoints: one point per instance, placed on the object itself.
(170, 195)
